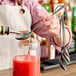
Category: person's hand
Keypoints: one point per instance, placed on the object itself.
(52, 24)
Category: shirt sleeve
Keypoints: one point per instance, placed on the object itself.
(37, 13)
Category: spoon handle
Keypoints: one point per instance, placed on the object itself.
(14, 32)
(58, 8)
(64, 57)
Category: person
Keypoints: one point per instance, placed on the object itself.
(26, 15)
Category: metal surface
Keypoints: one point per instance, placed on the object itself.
(14, 32)
(64, 56)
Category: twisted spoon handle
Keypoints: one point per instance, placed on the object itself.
(64, 57)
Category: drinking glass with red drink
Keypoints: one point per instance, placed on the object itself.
(28, 62)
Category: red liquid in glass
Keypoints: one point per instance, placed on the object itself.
(26, 65)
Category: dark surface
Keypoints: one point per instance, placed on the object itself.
(54, 63)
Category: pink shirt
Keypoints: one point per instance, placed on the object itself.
(37, 12)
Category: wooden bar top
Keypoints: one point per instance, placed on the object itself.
(53, 72)
(71, 71)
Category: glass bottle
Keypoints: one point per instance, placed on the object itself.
(46, 5)
(68, 13)
(52, 52)
(53, 3)
(45, 53)
(69, 19)
(68, 6)
(74, 21)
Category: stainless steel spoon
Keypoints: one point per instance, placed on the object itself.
(64, 57)
(26, 35)
(23, 36)
(14, 32)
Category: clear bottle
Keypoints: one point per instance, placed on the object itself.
(52, 52)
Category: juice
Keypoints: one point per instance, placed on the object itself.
(26, 65)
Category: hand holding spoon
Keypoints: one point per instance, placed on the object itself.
(26, 35)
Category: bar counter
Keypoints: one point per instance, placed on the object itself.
(52, 72)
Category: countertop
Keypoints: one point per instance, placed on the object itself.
(53, 72)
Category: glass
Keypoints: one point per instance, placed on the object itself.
(45, 49)
(28, 62)
(74, 21)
